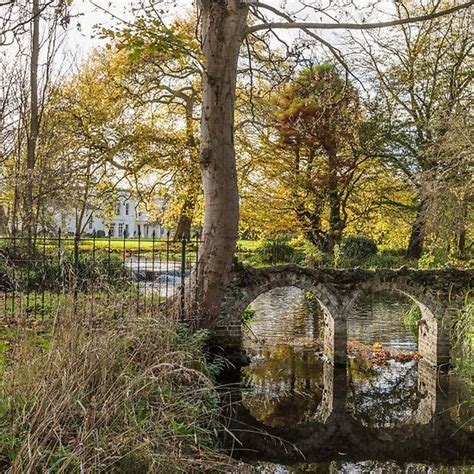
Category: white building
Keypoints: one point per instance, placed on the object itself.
(131, 219)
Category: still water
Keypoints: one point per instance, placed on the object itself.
(298, 413)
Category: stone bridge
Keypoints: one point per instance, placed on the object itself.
(437, 292)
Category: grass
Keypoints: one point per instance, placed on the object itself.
(130, 395)
(250, 253)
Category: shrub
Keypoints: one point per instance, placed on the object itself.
(248, 315)
(278, 250)
(312, 257)
(411, 317)
(462, 340)
(355, 250)
(435, 259)
(92, 271)
(130, 396)
(384, 260)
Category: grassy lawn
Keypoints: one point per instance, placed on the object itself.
(147, 245)
(248, 245)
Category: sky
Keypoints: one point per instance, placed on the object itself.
(88, 14)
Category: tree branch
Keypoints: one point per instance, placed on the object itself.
(357, 26)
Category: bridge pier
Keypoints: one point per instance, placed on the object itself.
(335, 338)
(433, 335)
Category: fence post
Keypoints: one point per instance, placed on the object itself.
(76, 254)
(76, 269)
(183, 278)
(139, 269)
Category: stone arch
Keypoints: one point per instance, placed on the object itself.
(248, 284)
(433, 337)
(433, 340)
(245, 289)
(271, 280)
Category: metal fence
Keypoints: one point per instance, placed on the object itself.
(37, 279)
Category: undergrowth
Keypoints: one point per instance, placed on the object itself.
(131, 396)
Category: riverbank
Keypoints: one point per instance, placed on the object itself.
(120, 393)
(129, 395)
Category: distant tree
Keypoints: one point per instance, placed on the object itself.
(161, 73)
(29, 72)
(318, 154)
(319, 118)
(424, 79)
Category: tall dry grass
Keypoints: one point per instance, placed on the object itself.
(131, 396)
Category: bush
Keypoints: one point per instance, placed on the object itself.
(279, 250)
(353, 251)
(436, 259)
(384, 260)
(462, 344)
(248, 315)
(92, 271)
(411, 317)
(130, 396)
(312, 257)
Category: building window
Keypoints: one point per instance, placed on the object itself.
(139, 229)
(126, 234)
(91, 224)
(112, 230)
(120, 230)
(117, 209)
(127, 208)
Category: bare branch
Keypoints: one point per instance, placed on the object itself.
(357, 26)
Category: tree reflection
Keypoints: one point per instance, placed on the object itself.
(382, 396)
(284, 385)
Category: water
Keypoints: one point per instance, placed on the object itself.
(297, 413)
(379, 318)
(157, 277)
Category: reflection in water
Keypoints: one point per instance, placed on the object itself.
(285, 377)
(382, 396)
(285, 313)
(373, 411)
(363, 467)
(379, 317)
(285, 385)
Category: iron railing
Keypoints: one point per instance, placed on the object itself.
(39, 278)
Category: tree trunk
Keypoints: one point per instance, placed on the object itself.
(417, 234)
(223, 25)
(3, 220)
(28, 212)
(462, 231)
(336, 224)
(183, 229)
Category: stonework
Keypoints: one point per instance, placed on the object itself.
(435, 291)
